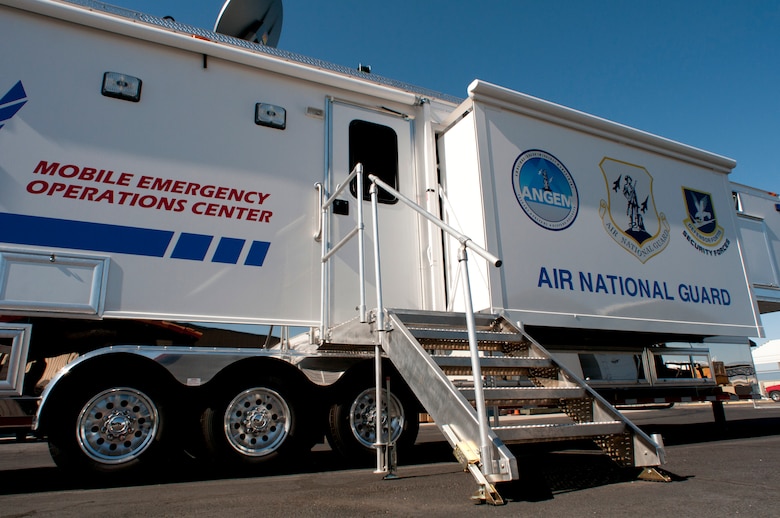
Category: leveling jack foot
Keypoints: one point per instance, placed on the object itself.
(487, 494)
(654, 475)
(387, 461)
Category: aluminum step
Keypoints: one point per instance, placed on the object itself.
(491, 366)
(413, 319)
(416, 343)
(456, 339)
(525, 394)
(517, 434)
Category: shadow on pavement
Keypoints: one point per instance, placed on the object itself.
(557, 467)
(187, 469)
(678, 434)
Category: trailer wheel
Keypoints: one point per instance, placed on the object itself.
(255, 424)
(353, 421)
(109, 429)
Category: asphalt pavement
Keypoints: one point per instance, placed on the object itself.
(730, 469)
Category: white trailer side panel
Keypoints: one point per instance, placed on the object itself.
(600, 226)
(191, 199)
(193, 209)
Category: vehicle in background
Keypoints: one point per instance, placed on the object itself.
(773, 392)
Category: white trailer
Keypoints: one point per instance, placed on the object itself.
(758, 217)
(157, 180)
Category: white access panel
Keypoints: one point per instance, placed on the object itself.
(599, 226)
(463, 210)
(760, 257)
(65, 283)
(14, 344)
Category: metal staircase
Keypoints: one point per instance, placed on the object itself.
(517, 372)
(460, 364)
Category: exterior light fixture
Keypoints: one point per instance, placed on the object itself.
(121, 86)
(270, 116)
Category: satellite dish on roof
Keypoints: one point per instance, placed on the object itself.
(258, 21)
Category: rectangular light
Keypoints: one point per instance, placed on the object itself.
(121, 86)
(270, 115)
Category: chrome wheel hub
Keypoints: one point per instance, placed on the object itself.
(257, 422)
(363, 417)
(117, 425)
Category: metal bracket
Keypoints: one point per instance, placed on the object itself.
(486, 494)
(468, 455)
(654, 475)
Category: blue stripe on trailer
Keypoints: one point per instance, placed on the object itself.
(228, 250)
(12, 102)
(257, 253)
(192, 246)
(83, 235)
(101, 237)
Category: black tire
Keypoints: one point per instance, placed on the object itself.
(352, 418)
(775, 395)
(257, 423)
(108, 428)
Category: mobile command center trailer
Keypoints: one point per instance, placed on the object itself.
(758, 215)
(158, 179)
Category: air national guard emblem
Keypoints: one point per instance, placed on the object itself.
(628, 214)
(701, 226)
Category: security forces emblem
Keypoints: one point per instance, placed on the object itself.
(701, 226)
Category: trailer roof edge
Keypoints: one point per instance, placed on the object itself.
(488, 93)
(133, 24)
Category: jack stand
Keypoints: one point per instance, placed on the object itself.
(387, 461)
(391, 456)
(381, 459)
(391, 462)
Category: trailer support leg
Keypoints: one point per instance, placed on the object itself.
(718, 412)
(486, 493)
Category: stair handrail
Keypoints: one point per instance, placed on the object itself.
(323, 235)
(488, 464)
(460, 237)
(653, 439)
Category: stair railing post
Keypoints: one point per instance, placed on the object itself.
(381, 444)
(361, 244)
(486, 450)
(323, 234)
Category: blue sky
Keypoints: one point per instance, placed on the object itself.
(702, 72)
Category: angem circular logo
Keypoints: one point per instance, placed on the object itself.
(545, 190)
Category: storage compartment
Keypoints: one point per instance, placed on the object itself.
(14, 344)
(53, 283)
